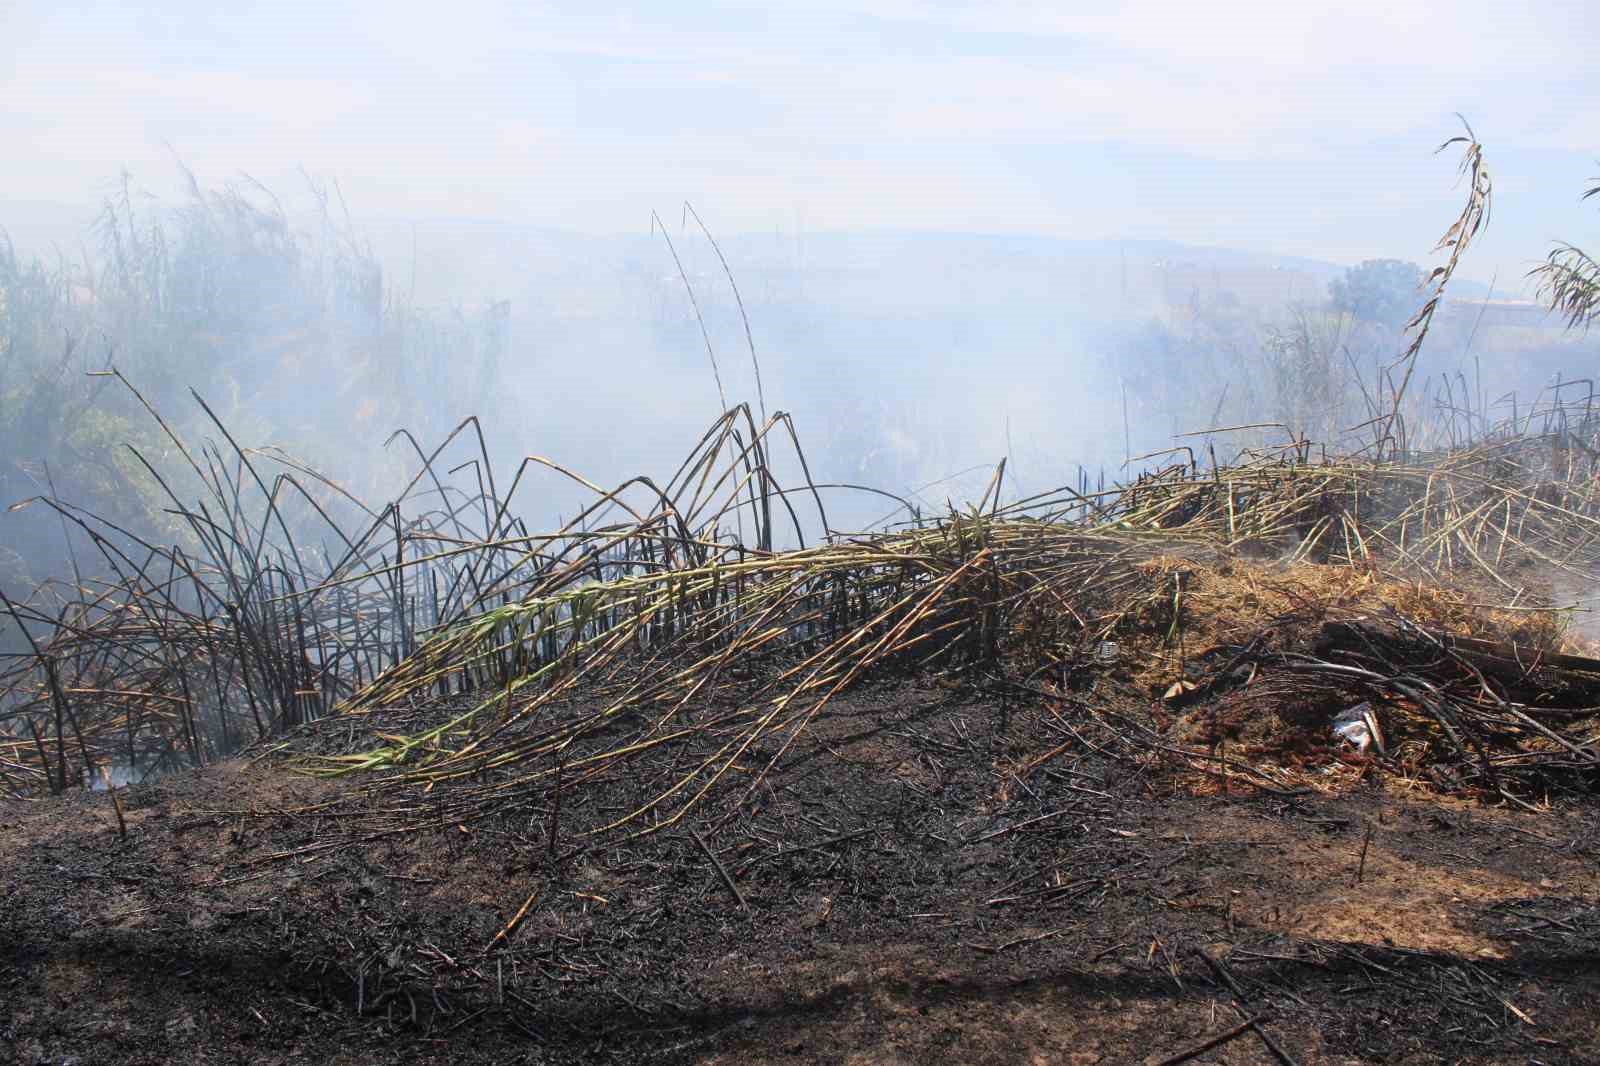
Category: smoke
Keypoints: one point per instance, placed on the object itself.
(911, 362)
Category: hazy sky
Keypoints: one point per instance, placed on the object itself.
(1292, 127)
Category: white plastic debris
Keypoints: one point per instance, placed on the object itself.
(1107, 652)
(1358, 725)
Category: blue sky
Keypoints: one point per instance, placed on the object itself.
(1304, 129)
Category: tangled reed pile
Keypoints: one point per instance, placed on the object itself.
(1210, 620)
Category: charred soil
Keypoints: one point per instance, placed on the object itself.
(893, 892)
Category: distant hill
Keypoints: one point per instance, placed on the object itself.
(471, 261)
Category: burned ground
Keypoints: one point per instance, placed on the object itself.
(898, 893)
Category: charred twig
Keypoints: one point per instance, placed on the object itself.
(722, 870)
(1206, 1045)
(1239, 999)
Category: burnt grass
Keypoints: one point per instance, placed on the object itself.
(897, 895)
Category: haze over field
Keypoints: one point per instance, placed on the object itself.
(960, 232)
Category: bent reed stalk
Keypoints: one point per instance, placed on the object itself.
(489, 658)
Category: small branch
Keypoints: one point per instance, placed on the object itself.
(511, 926)
(1018, 942)
(1204, 1046)
(727, 878)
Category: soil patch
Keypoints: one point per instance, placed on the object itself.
(901, 897)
